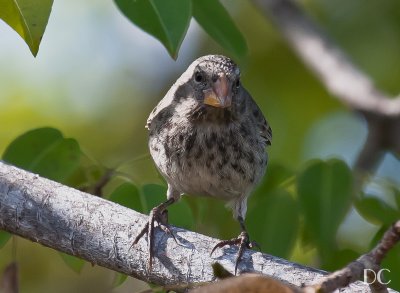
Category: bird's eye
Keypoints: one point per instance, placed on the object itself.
(198, 77)
(237, 83)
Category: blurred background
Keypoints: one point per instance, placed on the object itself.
(97, 77)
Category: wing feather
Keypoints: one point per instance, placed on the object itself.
(263, 127)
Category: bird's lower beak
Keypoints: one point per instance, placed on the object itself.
(219, 95)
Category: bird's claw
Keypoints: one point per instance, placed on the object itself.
(253, 244)
(140, 235)
(156, 215)
(242, 241)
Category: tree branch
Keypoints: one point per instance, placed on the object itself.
(330, 64)
(367, 262)
(102, 232)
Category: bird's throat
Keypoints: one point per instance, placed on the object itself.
(212, 114)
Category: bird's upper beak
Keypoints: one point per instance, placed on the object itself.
(220, 94)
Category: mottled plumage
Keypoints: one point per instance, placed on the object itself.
(208, 137)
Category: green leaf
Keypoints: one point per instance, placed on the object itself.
(392, 265)
(141, 171)
(76, 264)
(215, 219)
(4, 237)
(28, 18)
(119, 279)
(181, 215)
(166, 20)
(46, 152)
(274, 223)
(153, 195)
(376, 211)
(277, 176)
(59, 161)
(127, 195)
(325, 194)
(22, 151)
(340, 258)
(216, 21)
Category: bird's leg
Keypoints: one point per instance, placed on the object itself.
(242, 241)
(159, 214)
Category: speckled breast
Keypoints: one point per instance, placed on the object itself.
(221, 160)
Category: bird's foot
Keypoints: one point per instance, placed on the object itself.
(242, 241)
(160, 215)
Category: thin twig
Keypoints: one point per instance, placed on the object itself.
(356, 270)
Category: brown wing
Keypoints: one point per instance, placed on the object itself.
(261, 123)
(162, 105)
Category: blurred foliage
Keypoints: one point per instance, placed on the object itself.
(325, 194)
(4, 237)
(376, 211)
(46, 152)
(127, 195)
(302, 208)
(278, 215)
(119, 279)
(76, 264)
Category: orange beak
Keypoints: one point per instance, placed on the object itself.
(219, 95)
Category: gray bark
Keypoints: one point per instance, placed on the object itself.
(101, 232)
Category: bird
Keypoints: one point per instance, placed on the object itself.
(208, 137)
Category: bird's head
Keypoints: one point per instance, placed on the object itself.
(215, 80)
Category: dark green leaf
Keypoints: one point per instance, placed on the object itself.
(166, 20)
(25, 148)
(154, 289)
(215, 219)
(216, 21)
(141, 171)
(59, 161)
(325, 193)
(4, 237)
(391, 264)
(276, 176)
(339, 259)
(181, 215)
(28, 18)
(80, 179)
(194, 205)
(127, 195)
(119, 279)
(46, 152)
(376, 211)
(154, 195)
(274, 223)
(73, 262)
